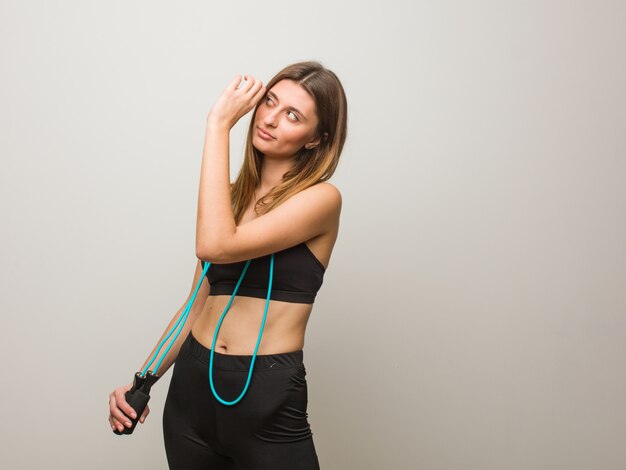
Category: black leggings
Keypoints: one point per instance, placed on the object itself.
(266, 429)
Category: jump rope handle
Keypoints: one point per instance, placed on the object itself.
(137, 397)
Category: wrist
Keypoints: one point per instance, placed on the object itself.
(215, 124)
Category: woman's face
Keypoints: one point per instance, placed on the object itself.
(287, 112)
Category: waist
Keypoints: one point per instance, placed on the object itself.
(241, 362)
(283, 331)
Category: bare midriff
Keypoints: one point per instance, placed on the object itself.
(284, 329)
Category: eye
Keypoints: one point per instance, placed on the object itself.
(296, 116)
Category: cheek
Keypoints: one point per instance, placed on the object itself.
(294, 136)
(258, 118)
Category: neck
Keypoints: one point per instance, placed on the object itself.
(272, 172)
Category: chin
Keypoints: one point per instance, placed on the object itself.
(258, 143)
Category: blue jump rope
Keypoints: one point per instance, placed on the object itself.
(139, 394)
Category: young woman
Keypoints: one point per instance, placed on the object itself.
(283, 216)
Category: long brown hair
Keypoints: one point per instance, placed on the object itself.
(311, 165)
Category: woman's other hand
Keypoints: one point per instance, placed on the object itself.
(236, 102)
(120, 410)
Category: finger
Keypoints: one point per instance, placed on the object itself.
(259, 93)
(256, 85)
(112, 423)
(144, 415)
(121, 419)
(118, 415)
(115, 424)
(234, 84)
(243, 86)
(248, 84)
(121, 402)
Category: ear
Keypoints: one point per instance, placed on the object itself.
(315, 142)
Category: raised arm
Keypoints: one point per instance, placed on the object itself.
(311, 212)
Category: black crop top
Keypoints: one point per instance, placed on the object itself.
(298, 275)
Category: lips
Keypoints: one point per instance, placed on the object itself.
(265, 132)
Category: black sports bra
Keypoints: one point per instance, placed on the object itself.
(298, 276)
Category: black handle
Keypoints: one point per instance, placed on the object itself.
(138, 397)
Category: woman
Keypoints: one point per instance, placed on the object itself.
(283, 216)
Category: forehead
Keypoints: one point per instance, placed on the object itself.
(290, 93)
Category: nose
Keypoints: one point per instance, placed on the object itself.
(270, 118)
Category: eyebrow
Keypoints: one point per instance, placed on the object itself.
(290, 107)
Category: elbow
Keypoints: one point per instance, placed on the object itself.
(211, 252)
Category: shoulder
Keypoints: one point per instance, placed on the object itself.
(328, 192)
(321, 199)
(324, 198)
(326, 186)
(326, 202)
(320, 203)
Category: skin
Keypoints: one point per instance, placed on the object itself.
(311, 216)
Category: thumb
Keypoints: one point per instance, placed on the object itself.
(144, 415)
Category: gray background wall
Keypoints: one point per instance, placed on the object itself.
(473, 315)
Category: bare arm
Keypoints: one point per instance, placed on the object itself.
(198, 304)
(305, 215)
